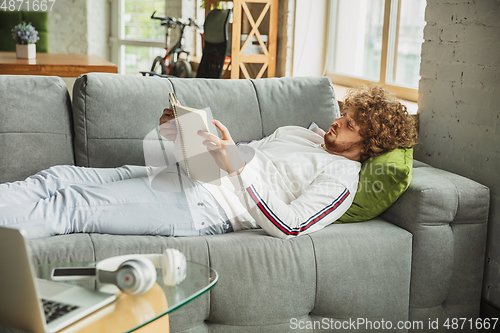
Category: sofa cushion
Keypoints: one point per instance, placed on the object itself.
(296, 101)
(250, 109)
(364, 272)
(344, 271)
(447, 215)
(112, 114)
(263, 279)
(61, 249)
(239, 113)
(383, 179)
(35, 127)
(194, 248)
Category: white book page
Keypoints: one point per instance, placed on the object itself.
(198, 161)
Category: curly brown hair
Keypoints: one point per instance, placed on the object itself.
(384, 122)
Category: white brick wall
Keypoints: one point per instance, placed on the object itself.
(98, 27)
(68, 27)
(80, 27)
(459, 104)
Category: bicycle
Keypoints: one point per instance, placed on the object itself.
(171, 64)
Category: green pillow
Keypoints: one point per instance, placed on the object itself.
(383, 179)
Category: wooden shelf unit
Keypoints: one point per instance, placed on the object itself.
(239, 60)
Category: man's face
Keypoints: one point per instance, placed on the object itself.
(343, 137)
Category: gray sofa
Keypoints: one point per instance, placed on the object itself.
(422, 259)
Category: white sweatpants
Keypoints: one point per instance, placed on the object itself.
(124, 201)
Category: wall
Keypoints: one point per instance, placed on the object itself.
(310, 37)
(98, 28)
(68, 27)
(284, 42)
(459, 105)
(80, 27)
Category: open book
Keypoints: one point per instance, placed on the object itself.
(196, 160)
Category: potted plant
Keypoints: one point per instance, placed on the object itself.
(26, 36)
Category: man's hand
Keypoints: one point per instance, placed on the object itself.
(167, 125)
(223, 150)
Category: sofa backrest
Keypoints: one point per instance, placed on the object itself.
(35, 125)
(113, 113)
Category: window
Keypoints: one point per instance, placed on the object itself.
(376, 40)
(136, 39)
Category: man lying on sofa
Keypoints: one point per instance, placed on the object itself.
(298, 182)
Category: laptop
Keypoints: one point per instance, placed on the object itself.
(37, 305)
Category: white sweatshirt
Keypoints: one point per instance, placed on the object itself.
(292, 186)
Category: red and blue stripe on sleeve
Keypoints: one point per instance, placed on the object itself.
(274, 219)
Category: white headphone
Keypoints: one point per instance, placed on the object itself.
(132, 274)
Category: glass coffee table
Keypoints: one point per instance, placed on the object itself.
(138, 313)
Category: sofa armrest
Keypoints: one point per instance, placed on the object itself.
(447, 215)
